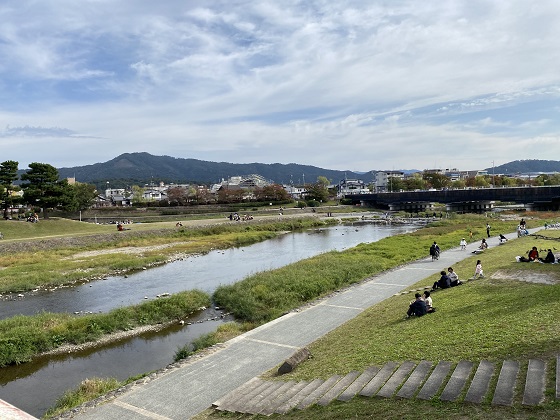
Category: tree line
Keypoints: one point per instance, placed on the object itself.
(42, 188)
(426, 180)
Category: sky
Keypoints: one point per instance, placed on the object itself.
(346, 85)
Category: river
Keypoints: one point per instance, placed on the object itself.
(35, 386)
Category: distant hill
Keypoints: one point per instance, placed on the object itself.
(144, 168)
(526, 166)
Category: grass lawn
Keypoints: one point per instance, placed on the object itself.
(511, 314)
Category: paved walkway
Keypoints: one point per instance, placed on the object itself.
(182, 393)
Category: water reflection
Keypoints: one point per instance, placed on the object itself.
(205, 272)
(34, 387)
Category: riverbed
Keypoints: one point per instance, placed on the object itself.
(35, 386)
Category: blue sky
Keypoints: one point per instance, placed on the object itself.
(348, 85)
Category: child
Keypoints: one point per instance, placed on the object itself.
(463, 244)
(478, 273)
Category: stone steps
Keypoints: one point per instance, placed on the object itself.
(508, 385)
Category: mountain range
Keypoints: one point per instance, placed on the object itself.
(143, 168)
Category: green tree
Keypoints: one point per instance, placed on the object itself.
(415, 182)
(317, 191)
(43, 188)
(137, 194)
(273, 192)
(395, 184)
(481, 181)
(437, 181)
(83, 196)
(8, 174)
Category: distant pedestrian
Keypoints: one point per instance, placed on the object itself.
(487, 229)
(463, 244)
(434, 251)
(478, 272)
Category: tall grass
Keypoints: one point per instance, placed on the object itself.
(267, 295)
(88, 390)
(24, 337)
(23, 271)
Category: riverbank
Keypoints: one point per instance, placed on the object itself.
(50, 262)
(164, 402)
(466, 225)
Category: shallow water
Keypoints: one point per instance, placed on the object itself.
(34, 387)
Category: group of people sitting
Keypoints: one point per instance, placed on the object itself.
(238, 218)
(421, 305)
(533, 256)
(447, 280)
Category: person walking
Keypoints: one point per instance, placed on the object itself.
(434, 251)
(488, 229)
(478, 272)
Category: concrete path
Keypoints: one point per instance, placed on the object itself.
(185, 392)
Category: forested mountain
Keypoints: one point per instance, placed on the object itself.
(526, 166)
(144, 168)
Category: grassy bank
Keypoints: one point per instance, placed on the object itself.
(24, 337)
(77, 259)
(510, 314)
(267, 295)
(286, 288)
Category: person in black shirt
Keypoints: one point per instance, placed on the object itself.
(417, 307)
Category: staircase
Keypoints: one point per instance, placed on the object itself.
(447, 382)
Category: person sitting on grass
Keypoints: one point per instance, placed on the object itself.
(550, 258)
(429, 303)
(443, 283)
(534, 254)
(417, 307)
(453, 277)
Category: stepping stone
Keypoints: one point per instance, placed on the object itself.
(280, 402)
(358, 384)
(295, 400)
(340, 386)
(233, 396)
(480, 383)
(503, 395)
(274, 398)
(378, 380)
(434, 382)
(415, 379)
(534, 383)
(242, 402)
(558, 377)
(255, 404)
(396, 379)
(318, 392)
(457, 381)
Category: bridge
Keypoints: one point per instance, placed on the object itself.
(468, 200)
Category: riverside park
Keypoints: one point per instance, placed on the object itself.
(509, 315)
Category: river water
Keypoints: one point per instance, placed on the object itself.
(35, 386)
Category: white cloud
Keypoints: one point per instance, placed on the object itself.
(349, 85)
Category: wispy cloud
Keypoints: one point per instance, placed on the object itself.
(358, 85)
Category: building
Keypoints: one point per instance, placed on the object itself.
(382, 179)
(351, 186)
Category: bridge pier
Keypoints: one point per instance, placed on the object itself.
(470, 206)
(412, 207)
